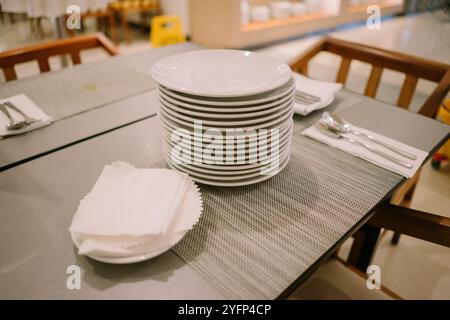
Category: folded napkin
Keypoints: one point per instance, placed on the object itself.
(25, 104)
(366, 154)
(133, 211)
(322, 89)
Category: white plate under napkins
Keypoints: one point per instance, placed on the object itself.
(27, 106)
(366, 154)
(324, 90)
(135, 214)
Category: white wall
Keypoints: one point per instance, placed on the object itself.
(179, 8)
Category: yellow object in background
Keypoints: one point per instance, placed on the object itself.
(443, 153)
(166, 30)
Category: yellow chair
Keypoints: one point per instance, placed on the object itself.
(166, 30)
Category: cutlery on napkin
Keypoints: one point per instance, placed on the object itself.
(361, 152)
(27, 106)
(133, 211)
(309, 88)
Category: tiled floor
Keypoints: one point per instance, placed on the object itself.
(414, 269)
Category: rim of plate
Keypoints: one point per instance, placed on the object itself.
(279, 112)
(223, 112)
(283, 131)
(169, 126)
(223, 177)
(288, 88)
(229, 172)
(208, 73)
(286, 139)
(240, 183)
(132, 259)
(265, 125)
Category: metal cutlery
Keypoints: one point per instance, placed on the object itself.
(330, 132)
(342, 126)
(306, 98)
(27, 118)
(13, 123)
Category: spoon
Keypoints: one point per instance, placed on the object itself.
(330, 132)
(342, 126)
(13, 123)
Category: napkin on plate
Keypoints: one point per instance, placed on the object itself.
(25, 104)
(322, 89)
(133, 211)
(366, 154)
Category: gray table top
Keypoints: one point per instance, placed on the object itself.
(40, 197)
(18, 149)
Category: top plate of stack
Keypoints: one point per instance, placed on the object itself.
(225, 90)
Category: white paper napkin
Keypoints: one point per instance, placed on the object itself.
(25, 104)
(322, 89)
(131, 202)
(124, 241)
(365, 154)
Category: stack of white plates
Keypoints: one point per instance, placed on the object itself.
(226, 115)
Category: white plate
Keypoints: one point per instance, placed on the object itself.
(228, 178)
(222, 169)
(238, 183)
(265, 97)
(229, 122)
(197, 154)
(162, 114)
(170, 126)
(136, 258)
(225, 113)
(200, 169)
(221, 73)
(168, 131)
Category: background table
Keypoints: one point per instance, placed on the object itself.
(78, 127)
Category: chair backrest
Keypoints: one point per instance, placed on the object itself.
(413, 68)
(42, 52)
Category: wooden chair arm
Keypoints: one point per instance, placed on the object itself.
(418, 224)
(431, 106)
(107, 44)
(301, 61)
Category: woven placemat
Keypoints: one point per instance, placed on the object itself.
(252, 242)
(67, 92)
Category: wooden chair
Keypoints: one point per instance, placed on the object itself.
(395, 216)
(101, 14)
(42, 52)
(125, 7)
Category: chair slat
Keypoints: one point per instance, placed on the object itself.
(373, 82)
(343, 70)
(304, 69)
(44, 66)
(10, 73)
(75, 55)
(407, 92)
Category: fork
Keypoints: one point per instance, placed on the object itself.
(13, 123)
(306, 98)
(323, 128)
(27, 118)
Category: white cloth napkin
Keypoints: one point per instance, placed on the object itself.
(25, 104)
(322, 89)
(365, 154)
(133, 211)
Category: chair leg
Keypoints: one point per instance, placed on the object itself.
(363, 248)
(395, 238)
(112, 26)
(125, 25)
